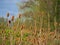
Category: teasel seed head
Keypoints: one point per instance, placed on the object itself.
(14, 28)
(19, 15)
(12, 18)
(22, 27)
(9, 21)
(8, 14)
(55, 36)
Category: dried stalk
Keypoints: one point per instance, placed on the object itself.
(48, 22)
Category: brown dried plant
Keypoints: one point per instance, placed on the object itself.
(19, 16)
(8, 14)
(12, 18)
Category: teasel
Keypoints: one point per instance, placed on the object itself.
(14, 28)
(8, 14)
(12, 19)
(9, 22)
(55, 25)
(22, 27)
(19, 15)
(48, 22)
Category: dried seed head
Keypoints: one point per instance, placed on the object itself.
(22, 27)
(55, 36)
(12, 18)
(19, 15)
(7, 14)
(9, 21)
(14, 28)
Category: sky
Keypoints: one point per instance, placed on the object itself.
(9, 6)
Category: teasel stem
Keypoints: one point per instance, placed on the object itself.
(12, 18)
(40, 32)
(41, 23)
(22, 28)
(8, 14)
(21, 37)
(35, 28)
(11, 36)
(3, 37)
(55, 21)
(19, 16)
(48, 22)
(55, 24)
(7, 18)
(18, 24)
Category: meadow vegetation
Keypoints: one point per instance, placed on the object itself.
(39, 24)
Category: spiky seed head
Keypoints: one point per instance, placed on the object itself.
(8, 14)
(12, 18)
(14, 28)
(22, 27)
(19, 15)
(9, 21)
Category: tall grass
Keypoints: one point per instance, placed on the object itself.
(18, 34)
